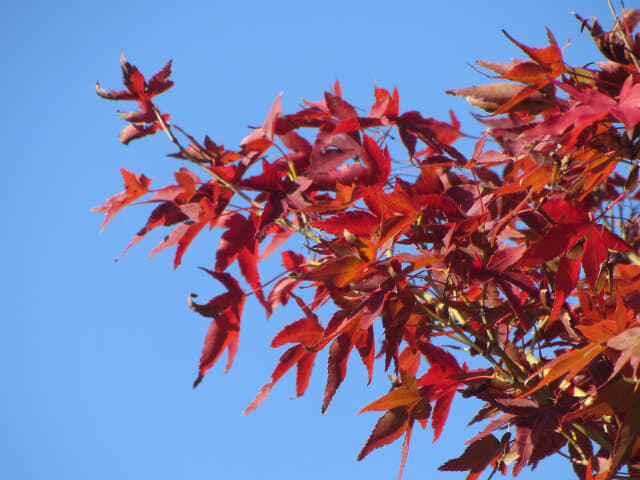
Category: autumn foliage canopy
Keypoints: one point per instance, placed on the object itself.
(523, 251)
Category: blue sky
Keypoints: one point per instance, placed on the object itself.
(97, 357)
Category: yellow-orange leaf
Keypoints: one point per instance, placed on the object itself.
(406, 394)
(569, 363)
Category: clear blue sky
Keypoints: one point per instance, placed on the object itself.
(96, 357)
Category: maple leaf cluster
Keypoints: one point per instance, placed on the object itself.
(524, 253)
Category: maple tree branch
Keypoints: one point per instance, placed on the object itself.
(282, 221)
(190, 158)
(552, 240)
(302, 215)
(590, 433)
(625, 37)
(576, 445)
(459, 333)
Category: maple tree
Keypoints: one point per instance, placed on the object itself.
(524, 253)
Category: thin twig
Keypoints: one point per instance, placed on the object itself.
(281, 221)
(627, 44)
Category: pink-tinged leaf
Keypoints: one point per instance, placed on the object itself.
(173, 238)
(492, 426)
(388, 428)
(296, 143)
(135, 131)
(146, 115)
(261, 139)
(329, 160)
(596, 105)
(263, 393)
(289, 358)
(628, 111)
(502, 97)
(628, 343)
(281, 292)
(385, 104)
(135, 187)
(185, 240)
(593, 107)
(337, 367)
(371, 308)
(165, 214)
(479, 147)
(280, 234)
(345, 175)
(498, 67)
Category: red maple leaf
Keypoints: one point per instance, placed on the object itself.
(137, 87)
(305, 332)
(224, 331)
(579, 240)
(135, 187)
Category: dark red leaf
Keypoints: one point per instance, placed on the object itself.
(476, 457)
(339, 108)
(288, 359)
(337, 368)
(389, 427)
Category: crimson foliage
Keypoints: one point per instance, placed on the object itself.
(523, 252)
